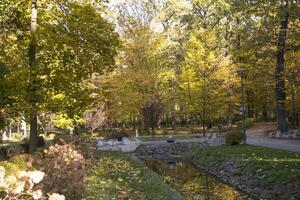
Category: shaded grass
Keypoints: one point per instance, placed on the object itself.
(113, 174)
(275, 165)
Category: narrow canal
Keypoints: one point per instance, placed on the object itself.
(192, 183)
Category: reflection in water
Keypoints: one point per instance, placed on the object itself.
(192, 183)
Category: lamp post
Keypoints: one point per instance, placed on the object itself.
(241, 72)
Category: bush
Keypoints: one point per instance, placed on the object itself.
(61, 139)
(233, 138)
(116, 135)
(248, 123)
(85, 144)
(65, 170)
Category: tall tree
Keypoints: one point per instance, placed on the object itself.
(279, 74)
(45, 79)
(32, 79)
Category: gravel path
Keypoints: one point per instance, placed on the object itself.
(283, 144)
(256, 136)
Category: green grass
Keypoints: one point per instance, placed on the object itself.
(114, 174)
(275, 165)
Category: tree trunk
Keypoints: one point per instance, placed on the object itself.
(33, 134)
(279, 74)
(10, 133)
(32, 80)
(297, 119)
(293, 107)
(230, 108)
(173, 119)
(265, 109)
(250, 103)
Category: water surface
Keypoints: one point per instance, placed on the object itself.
(192, 183)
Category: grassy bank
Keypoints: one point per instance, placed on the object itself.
(264, 172)
(116, 176)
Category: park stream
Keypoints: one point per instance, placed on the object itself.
(193, 183)
(186, 179)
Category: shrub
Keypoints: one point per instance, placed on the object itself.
(248, 123)
(233, 138)
(117, 135)
(85, 144)
(65, 170)
(61, 139)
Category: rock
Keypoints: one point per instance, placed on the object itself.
(100, 143)
(278, 134)
(126, 145)
(111, 142)
(126, 141)
(214, 136)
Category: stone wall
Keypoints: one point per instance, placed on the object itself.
(126, 145)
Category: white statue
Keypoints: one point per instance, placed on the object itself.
(23, 128)
(4, 136)
(136, 133)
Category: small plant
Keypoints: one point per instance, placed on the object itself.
(233, 138)
(117, 135)
(165, 132)
(248, 123)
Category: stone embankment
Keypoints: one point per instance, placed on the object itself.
(163, 150)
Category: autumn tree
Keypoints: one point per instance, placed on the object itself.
(71, 41)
